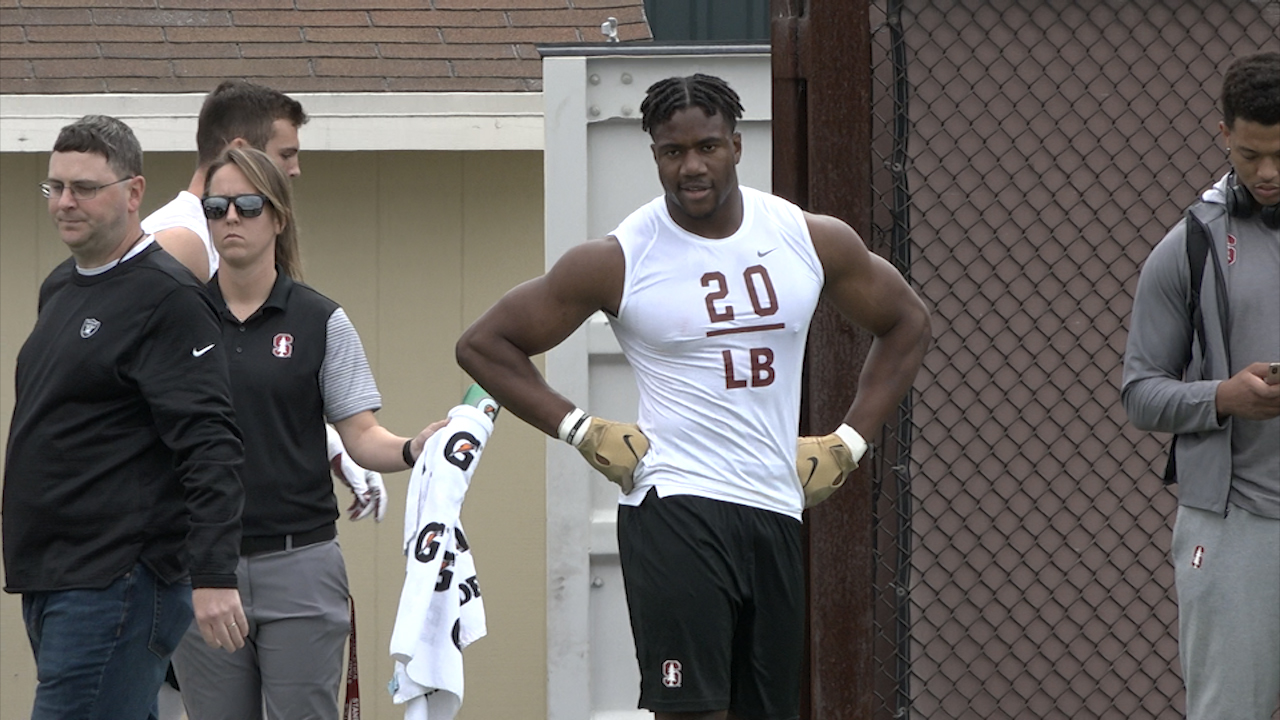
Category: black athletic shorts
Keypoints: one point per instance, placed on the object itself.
(716, 596)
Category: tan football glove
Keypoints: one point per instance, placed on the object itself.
(613, 448)
(824, 462)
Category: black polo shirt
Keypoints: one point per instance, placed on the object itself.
(276, 358)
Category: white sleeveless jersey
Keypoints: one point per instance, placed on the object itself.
(184, 211)
(715, 331)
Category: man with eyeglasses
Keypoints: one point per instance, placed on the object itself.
(121, 491)
(236, 114)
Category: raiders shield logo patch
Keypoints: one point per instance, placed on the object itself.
(89, 327)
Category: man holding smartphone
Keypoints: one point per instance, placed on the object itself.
(1199, 364)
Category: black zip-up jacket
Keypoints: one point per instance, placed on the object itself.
(123, 445)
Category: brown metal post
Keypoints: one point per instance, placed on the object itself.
(821, 161)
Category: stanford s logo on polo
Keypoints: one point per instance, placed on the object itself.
(672, 676)
(89, 327)
(282, 345)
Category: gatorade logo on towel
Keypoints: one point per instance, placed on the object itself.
(461, 449)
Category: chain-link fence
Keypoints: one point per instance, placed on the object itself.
(1032, 152)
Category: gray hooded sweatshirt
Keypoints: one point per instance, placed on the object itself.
(1168, 386)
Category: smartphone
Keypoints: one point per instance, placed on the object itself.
(1273, 374)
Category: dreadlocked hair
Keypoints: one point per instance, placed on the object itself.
(708, 92)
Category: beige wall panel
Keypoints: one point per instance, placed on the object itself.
(414, 245)
(337, 202)
(24, 229)
(415, 319)
(167, 174)
(505, 513)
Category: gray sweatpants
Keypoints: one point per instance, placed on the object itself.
(296, 603)
(1227, 572)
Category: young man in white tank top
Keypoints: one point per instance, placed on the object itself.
(710, 290)
(236, 114)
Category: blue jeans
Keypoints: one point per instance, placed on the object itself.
(102, 654)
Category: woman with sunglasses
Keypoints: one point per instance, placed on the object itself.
(295, 361)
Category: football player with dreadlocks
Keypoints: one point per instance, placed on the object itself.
(710, 289)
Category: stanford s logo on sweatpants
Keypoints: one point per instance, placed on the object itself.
(671, 676)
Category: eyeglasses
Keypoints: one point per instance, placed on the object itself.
(79, 190)
(247, 206)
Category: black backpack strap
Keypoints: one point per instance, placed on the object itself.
(1197, 257)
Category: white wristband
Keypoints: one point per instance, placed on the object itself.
(852, 440)
(574, 426)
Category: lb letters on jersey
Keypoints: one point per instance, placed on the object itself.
(441, 611)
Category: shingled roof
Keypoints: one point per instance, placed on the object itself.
(160, 46)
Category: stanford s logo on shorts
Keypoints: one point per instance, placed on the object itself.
(282, 345)
(671, 675)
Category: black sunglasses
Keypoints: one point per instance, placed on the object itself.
(247, 206)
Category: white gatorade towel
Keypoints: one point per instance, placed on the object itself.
(441, 611)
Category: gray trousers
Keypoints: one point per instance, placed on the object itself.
(291, 664)
(1227, 572)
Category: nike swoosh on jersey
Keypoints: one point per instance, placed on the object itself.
(203, 350)
(762, 253)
